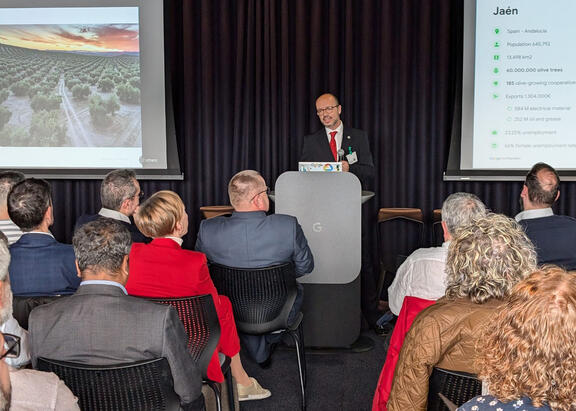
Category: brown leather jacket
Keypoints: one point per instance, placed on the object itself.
(443, 335)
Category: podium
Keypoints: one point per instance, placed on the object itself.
(328, 207)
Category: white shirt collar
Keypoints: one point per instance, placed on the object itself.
(339, 133)
(177, 239)
(116, 215)
(105, 282)
(536, 213)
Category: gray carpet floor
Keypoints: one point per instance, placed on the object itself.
(336, 381)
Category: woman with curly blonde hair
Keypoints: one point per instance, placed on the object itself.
(485, 260)
(528, 356)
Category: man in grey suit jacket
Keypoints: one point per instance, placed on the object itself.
(251, 239)
(102, 325)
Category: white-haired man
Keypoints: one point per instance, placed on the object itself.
(422, 274)
(120, 196)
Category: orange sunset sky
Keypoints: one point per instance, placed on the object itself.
(90, 38)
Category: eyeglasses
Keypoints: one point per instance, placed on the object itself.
(11, 345)
(328, 109)
(267, 191)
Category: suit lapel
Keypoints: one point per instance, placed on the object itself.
(347, 141)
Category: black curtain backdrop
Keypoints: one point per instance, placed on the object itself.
(245, 77)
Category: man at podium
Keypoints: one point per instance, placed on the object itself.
(335, 142)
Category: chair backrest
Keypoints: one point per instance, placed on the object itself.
(216, 210)
(458, 387)
(261, 297)
(138, 386)
(23, 306)
(400, 232)
(198, 314)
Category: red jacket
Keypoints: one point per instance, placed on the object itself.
(410, 309)
(163, 269)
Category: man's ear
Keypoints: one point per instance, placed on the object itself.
(48, 216)
(126, 264)
(447, 236)
(524, 192)
(125, 204)
(557, 196)
(260, 202)
(78, 273)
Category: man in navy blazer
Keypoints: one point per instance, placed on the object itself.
(120, 197)
(324, 145)
(251, 239)
(39, 264)
(554, 236)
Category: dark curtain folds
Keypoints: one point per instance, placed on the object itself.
(245, 76)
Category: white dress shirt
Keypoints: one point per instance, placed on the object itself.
(422, 275)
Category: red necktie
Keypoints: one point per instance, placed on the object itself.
(333, 144)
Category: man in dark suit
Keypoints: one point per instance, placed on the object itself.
(39, 265)
(251, 239)
(554, 236)
(102, 325)
(325, 144)
(120, 196)
(354, 149)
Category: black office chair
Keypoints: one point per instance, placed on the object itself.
(138, 386)
(400, 232)
(200, 320)
(437, 231)
(262, 299)
(23, 306)
(457, 387)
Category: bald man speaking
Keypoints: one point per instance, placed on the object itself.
(336, 142)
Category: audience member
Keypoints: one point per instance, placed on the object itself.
(423, 274)
(40, 265)
(163, 269)
(251, 239)
(102, 325)
(527, 354)
(7, 180)
(120, 196)
(8, 323)
(554, 236)
(485, 260)
(26, 389)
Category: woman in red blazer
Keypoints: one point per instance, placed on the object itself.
(163, 269)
